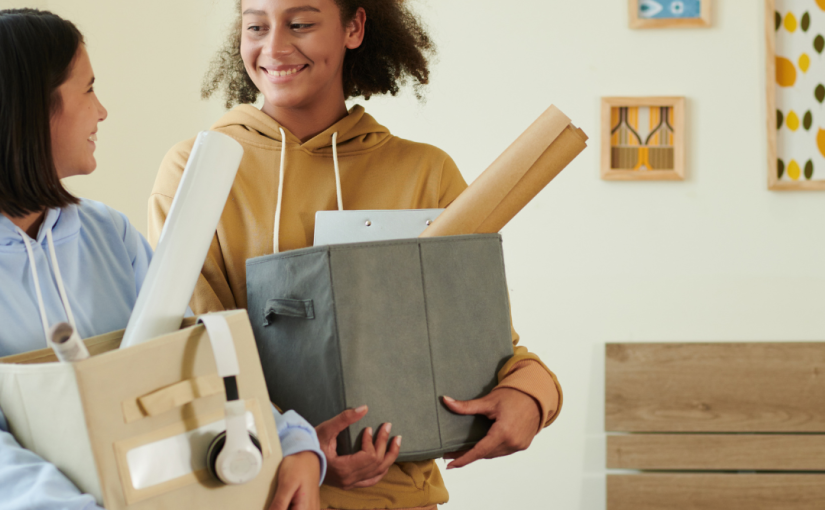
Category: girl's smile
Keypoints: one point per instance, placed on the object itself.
(283, 73)
(78, 117)
(293, 52)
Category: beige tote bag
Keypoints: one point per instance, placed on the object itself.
(131, 426)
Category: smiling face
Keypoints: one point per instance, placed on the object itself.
(293, 51)
(73, 125)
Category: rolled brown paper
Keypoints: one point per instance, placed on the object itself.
(555, 158)
(536, 157)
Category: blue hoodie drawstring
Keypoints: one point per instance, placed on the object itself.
(60, 287)
(282, 171)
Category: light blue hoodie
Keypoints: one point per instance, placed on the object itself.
(101, 260)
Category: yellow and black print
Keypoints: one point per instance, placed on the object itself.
(800, 91)
(641, 138)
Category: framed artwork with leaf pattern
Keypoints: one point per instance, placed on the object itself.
(643, 138)
(669, 13)
(795, 40)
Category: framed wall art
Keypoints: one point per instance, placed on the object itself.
(643, 138)
(795, 40)
(669, 13)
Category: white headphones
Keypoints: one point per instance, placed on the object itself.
(233, 457)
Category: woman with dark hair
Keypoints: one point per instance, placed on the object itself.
(304, 152)
(64, 259)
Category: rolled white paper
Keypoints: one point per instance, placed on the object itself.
(67, 345)
(185, 239)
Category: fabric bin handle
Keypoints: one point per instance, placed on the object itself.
(300, 308)
(187, 391)
(180, 394)
(170, 397)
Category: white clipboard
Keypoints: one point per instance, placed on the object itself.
(338, 227)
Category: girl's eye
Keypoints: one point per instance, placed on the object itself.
(92, 89)
(300, 26)
(254, 28)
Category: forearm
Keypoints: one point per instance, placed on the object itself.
(532, 378)
(28, 482)
(526, 373)
(297, 435)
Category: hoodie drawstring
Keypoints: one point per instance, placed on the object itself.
(61, 288)
(282, 171)
(337, 171)
(33, 265)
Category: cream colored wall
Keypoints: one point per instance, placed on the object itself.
(149, 59)
(717, 257)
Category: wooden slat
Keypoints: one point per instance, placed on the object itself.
(733, 452)
(715, 492)
(719, 387)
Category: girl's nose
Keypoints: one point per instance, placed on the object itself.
(280, 43)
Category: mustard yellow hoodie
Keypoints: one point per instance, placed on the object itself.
(378, 171)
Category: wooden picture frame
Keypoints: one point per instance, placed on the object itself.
(636, 21)
(632, 156)
(802, 138)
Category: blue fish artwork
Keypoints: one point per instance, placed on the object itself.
(669, 9)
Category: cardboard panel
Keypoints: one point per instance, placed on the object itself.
(719, 387)
(750, 452)
(716, 492)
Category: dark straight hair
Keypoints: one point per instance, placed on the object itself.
(37, 49)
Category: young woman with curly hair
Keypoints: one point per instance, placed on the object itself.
(304, 152)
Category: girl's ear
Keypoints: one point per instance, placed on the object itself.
(354, 30)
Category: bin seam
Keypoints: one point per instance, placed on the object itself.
(338, 341)
(429, 343)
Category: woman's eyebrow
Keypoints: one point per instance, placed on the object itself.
(291, 10)
(303, 8)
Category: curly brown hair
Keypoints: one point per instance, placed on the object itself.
(395, 49)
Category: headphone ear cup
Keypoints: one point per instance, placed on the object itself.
(216, 447)
(212, 453)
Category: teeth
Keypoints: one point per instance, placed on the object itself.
(283, 73)
(93, 138)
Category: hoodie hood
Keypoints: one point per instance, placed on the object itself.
(357, 132)
(63, 223)
(98, 258)
(281, 183)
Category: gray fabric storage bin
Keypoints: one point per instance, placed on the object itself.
(392, 324)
